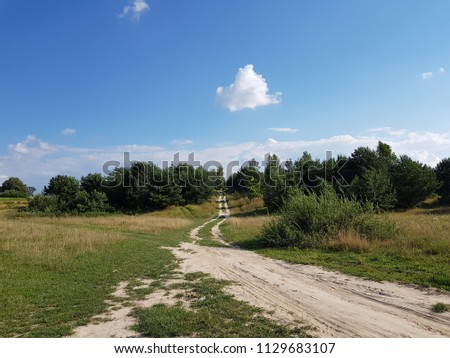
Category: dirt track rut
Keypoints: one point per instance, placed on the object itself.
(335, 304)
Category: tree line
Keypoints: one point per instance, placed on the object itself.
(140, 188)
(376, 176)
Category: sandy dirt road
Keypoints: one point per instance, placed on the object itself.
(335, 304)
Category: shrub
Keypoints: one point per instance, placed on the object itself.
(313, 220)
(44, 203)
(13, 194)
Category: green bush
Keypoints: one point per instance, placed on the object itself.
(311, 220)
(44, 203)
(13, 194)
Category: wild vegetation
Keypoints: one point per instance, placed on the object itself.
(312, 220)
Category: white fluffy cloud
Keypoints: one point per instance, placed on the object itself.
(249, 90)
(68, 131)
(135, 9)
(284, 130)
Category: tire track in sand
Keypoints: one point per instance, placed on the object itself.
(335, 304)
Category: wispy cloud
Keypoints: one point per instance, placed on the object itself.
(68, 131)
(285, 130)
(182, 142)
(389, 130)
(428, 75)
(249, 90)
(135, 9)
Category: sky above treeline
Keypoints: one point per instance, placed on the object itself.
(82, 82)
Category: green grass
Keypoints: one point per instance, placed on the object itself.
(213, 314)
(57, 272)
(440, 307)
(206, 236)
(48, 299)
(419, 253)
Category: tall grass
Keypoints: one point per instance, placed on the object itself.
(239, 205)
(134, 223)
(314, 219)
(41, 243)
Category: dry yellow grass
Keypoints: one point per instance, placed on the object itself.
(423, 230)
(10, 205)
(244, 205)
(40, 242)
(348, 241)
(135, 223)
(253, 223)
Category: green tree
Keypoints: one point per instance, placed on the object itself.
(65, 188)
(14, 187)
(249, 179)
(413, 181)
(274, 188)
(91, 182)
(375, 187)
(442, 171)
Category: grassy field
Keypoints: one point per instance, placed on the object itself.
(419, 253)
(56, 272)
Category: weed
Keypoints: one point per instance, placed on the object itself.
(440, 307)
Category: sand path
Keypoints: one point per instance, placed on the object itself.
(336, 304)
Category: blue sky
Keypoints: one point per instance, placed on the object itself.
(83, 81)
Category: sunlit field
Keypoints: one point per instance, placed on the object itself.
(57, 272)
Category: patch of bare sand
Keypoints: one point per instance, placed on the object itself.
(117, 322)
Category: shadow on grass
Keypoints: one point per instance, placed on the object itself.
(436, 210)
(257, 212)
(253, 244)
